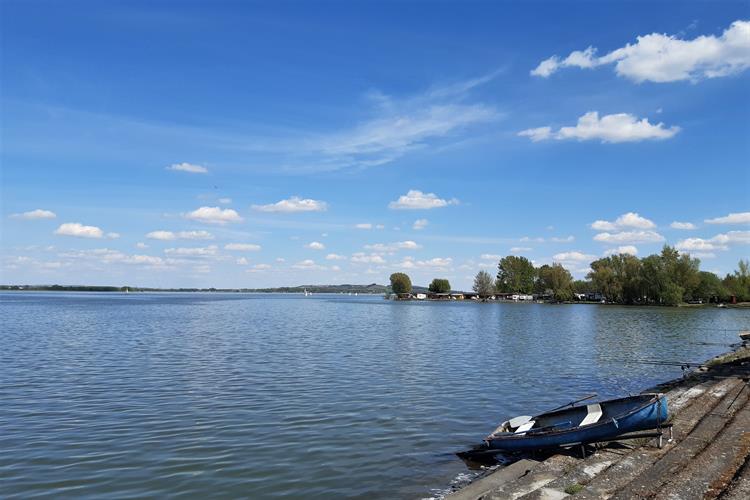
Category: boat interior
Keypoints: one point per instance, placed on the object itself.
(576, 416)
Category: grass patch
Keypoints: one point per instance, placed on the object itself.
(573, 488)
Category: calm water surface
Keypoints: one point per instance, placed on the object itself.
(198, 395)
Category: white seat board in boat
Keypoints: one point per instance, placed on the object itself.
(525, 427)
(594, 413)
(518, 421)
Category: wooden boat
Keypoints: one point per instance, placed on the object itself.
(591, 423)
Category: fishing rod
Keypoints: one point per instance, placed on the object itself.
(572, 403)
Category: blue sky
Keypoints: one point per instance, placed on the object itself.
(249, 144)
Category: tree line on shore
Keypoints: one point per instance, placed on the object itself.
(666, 278)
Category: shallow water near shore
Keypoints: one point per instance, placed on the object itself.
(229, 395)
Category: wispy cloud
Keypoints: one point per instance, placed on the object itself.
(35, 214)
(242, 247)
(420, 224)
(188, 167)
(682, 225)
(179, 235)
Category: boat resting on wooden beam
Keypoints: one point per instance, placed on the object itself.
(579, 425)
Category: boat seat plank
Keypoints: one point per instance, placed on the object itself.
(593, 414)
(525, 427)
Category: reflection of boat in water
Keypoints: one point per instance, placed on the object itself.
(579, 425)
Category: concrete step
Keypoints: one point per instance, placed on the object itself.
(648, 482)
(692, 407)
(484, 485)
(539, 476)
(712, 471)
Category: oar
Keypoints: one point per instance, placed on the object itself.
(572, 403)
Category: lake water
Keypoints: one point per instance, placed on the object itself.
(259, 396)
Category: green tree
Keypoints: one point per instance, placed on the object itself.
(515, 274)
(738, 284)
(439, 285)
(400, 283)
(710, 288)
(483, 284)
(557, 279)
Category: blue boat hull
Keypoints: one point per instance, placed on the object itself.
(642, 417)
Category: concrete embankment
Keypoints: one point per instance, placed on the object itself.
(708, 457)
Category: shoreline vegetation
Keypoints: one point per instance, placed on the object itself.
(665, 279)
(669, 278)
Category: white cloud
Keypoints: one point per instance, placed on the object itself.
(662, 58)
(630, 237)
(527, 239)
(188, 167)
(434, 263)
(626, 220)
(261, 267)
(626, 249)
(615, 128)
(362, 258)
(192, 251)
(225, 201)
(242, 261)
(632, 219)
(519, 250)
(214, 215)
(698, 244)
(35, 214)
(719, 242)
(292, 205)
(141, 245)
(180, 235)
(308, 264)
(682, 225)
(363, 225)
(242, 247)
(491, 256)
(566, 239)
(280, 259)
(703, 255)
(334, 256)
(392, 247)
(79, 230)
(420, 224)
(417, 200)
(573, 256)
(735, 218)
(733, 237)
(315, 245)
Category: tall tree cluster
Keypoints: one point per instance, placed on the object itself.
(666, 278)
